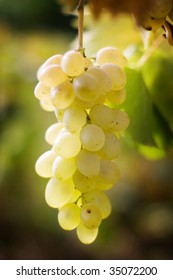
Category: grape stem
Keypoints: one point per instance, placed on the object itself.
(80, 11)
(149, 52)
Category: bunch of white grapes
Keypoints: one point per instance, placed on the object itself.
(81, 162)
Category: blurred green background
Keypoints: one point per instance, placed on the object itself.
(141, 223)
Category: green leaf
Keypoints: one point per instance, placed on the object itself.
(158, 76)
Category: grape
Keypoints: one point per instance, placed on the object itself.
(47, 105)
(85, 235)
(58, 193)
(82, 182)
(55, 59)
(63, 95)
(92, 137)
(44, 163)
(42, 92)
(52, 75)
(74, 118)
(160, 8)
(67, 145)
(102, 116)
(52, 132)
(111, 147)
(99, 199)
(110, 55)
(88, 163)
(116, 75)
(150, 23)
(121, 120)
(109, 172)
(90, 216)
(75, 196)
(117, 97)
(102, 78)
(87, 105)
(69, 216)
(86, 87)
(63, 168)
(73, 63)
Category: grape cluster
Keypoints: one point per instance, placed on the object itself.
(81, 163)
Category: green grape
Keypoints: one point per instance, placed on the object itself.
(85, 235)
(99, 199)
(63, 168)
(109, 172)
(90, 216)
(102, 116)
(116, 74)
(121, 120)
(110, 55)
(67, 145)
(75, 196)
(62, 95)
(42, 92)
(52, 75)
(55, 59)
(82, 183)
(102, 78)
(92, 137)
(47, 105)
(88, 163)
(52, 132)
(69, 216)
(86, 87)
(43, 166)
(116, 97)
(160, 8)
(74, 119)
(58, 193)
(73, 63)
(111, 147)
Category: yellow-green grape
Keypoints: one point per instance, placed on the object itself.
(58, 193)
(102, 78)
(63, 168)
(88, 163)
(109, 172)
(87, 105)
(43, 166)
(90, 216)
(73, 63)
(100, 185)
(52, 132)
(82, 182)
(75, 196)
(99, 199)
(63, 95)
(116, 74)
(55, 59)
(111, 147)
(86, 87)
(41, 91)
(92, 137)
(47, 105)
(110, 55)
(121, 120)
(52, 75)
(67, 144)
(160, 8)
(74, 119)
(85, 235)
(69, 216)
(101, 115)
(116, 97)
